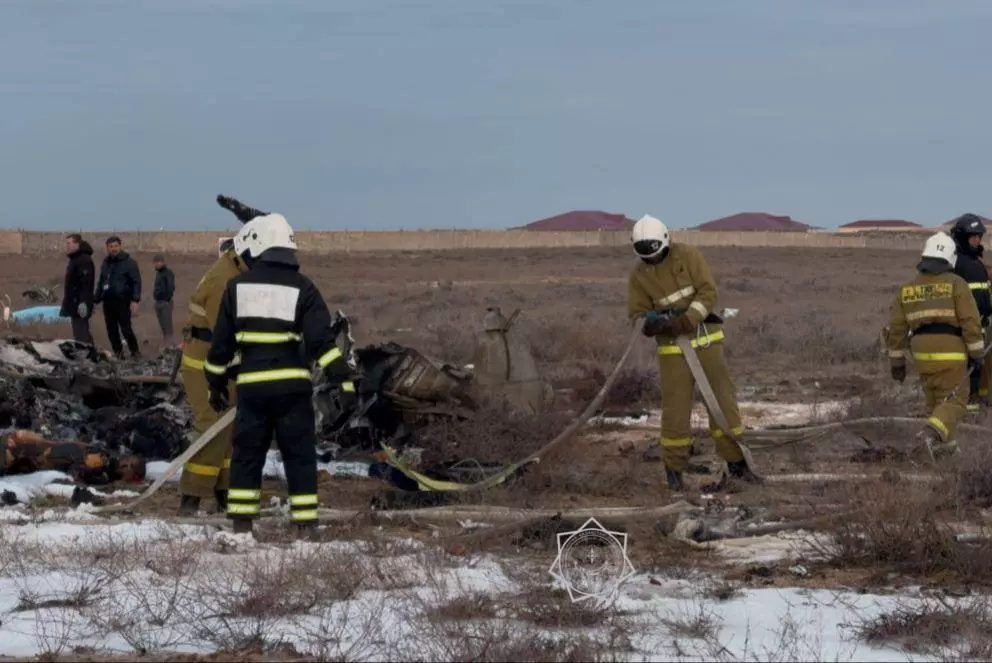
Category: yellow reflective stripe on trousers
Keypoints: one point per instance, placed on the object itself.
(939, 425)
(202, 470)
(716, 433)
(303, 500)
(235, 509)
(325, 359)
(665, 350)
(274, 375)
(676, 441)
(297, 516)
(214, 368)
(195, 364)
(267, 337)
(348, 386)
(243, 494)
(940, 356)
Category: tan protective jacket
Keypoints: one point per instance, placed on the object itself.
(682, 281)
(935, 299)
(204, 305)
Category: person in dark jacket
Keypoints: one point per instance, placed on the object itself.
(165, 289)
(967, 232)
(119, 290)
(77, 300)
(276, 320)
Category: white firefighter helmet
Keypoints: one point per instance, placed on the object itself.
(941, 247)
(271, 231)
(650, 237)
(245, 237)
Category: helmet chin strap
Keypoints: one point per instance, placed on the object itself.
(658, 259)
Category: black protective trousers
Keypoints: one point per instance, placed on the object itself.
(117, 315)
(290, 417)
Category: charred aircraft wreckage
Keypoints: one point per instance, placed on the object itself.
(68, 406)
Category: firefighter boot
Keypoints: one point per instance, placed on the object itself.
(221, 497)
(675, 483)
(945, 450)
(740, 470)
(189, 505)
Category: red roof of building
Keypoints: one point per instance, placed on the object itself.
(754, 221)
(881, 223)
(583, 220)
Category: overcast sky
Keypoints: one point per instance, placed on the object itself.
(491, 113)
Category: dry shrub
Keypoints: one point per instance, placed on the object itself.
(492, 435)
(938, 627)
(816, 338)
(904, 528)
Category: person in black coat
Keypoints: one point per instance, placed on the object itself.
(119, 290)
(967, 232)
(77, 299)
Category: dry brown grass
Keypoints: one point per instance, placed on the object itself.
(907, 529)
(948, 629)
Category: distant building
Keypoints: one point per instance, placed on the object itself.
(755, 221)
(582, 220)
(881, 225)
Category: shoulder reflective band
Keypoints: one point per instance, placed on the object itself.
(267, 337)
(325, 359)
(273, 375)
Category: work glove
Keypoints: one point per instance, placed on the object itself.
(82, 310)
(655, 323)
(683, 325)
(219, 401)
(898, 372)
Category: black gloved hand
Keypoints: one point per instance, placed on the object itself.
(898, 372)
(219, 400)
(655, 324)
(682, 325)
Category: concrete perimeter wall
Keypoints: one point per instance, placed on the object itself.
(27, 242)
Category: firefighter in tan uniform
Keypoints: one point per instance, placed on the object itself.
(675, 278)
(935, 317)
(207, 472)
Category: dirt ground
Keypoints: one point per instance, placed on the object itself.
(807, 332)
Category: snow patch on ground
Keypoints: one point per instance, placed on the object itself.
(148, 584)
(273, 468)
(754, 414)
